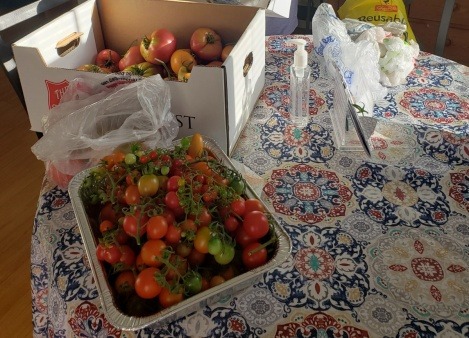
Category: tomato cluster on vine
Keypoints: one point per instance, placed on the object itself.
(171, 223)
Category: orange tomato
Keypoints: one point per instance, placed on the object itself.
(182, 57)
(196, 147)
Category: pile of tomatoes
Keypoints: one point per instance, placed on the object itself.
(158, 54)
(172, 223)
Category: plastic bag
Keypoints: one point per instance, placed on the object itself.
(357, 61)
(94, 118)
(378, 12)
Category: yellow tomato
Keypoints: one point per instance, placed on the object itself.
(182, 57)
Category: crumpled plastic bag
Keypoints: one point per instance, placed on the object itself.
(356, 60)
(94, 118)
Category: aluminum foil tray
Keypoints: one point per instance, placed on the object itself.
(189, 305)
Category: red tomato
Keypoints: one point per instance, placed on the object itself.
(206, 44)
(100, 251)
(242, 238)
(112, 254)
(171, 200)
(127, 257)
(256, 224)
(168, 298)
(203, 218)
(238, 207)
(157, 227)
(231, 223)
(173, 235)
(195, 257)
(152, 251)
(132, 195)
(252, 204)
(125, 282)
(135, 225)
(159, 47)
(253, 256)
(105, 226)
(146, 285)
(108, 59)
(173, 183)
(131, 57)
(107, 213)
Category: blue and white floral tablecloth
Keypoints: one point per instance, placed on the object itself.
(380, 244)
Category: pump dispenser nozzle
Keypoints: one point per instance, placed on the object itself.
(300, 57)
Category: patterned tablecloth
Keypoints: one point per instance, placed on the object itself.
(380, 244)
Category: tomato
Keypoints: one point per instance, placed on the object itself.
(238, 207)
(100, 252)
(206, 44)
(127, 256)
(105, 226)
(253, 204)
(159, 47)
(195, 257)
(192, 283)
(182, 57)
(229, 272)
(242, 238)
(174, 182)
(173, 235)
(152, 251)
(146, 285)
(112, 254)
(226, 51)
(189, 228)
(196, 146)
(177, 268)
(131, 57)
(202, 237)
(108, 59)
(253, 256)
(214, 63)
(214, 245)
(256, 224)
(238, 186)
(139, 263)
(130, 159)
(168, 298)
(125, 282)
(183, 249)
(203, 218)
(231, 223)
(148, 185)
(132, 195)
(226, 255)
(216, 280)
(171, 200)
(93, 69)
(145, 69)
(157, 227)
(107, 213)
(135, 225)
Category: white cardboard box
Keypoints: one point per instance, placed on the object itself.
(215, 102)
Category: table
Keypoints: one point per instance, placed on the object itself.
(380, 244)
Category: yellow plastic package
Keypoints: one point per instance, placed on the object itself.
(377, 12)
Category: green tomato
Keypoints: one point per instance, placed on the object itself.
(238, 186)
(192, 282)
(215, 246)
(226, 255)
(130, 158)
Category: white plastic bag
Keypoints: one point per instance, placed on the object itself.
(93, 119)
(357, 61)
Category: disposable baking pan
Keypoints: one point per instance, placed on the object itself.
(125, 322)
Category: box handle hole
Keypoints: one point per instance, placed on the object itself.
(247, 64)
(67, 44)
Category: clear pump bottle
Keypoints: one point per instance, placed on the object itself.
(300, 74)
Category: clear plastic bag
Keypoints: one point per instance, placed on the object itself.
(94, 118)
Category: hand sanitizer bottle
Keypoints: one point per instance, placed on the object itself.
(299, 85)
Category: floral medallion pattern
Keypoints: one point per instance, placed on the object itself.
(326, 271)
(308, 194)
(443, 146)
(280, 139)
(318, 325)
(439, 109)
(439, 328)
(427, 72)
(88, 321)
(400, 196)
(426, 271)
(459, 188)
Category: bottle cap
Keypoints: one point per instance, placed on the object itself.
(300, 57)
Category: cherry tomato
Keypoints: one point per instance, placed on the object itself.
(135, 225)
(148, 185)
(216, 280)
(183, 249)
(128, 256)
(171, 200)
(173, 235)
(152, 251)
(106, 225)
(173, 183)
(177, 268)
(256, 224)
(112, 254)
(132, 195)
(167, 298)
(238, 186)
(252, 204)
(215, 245)
(202, 237)
(238, 207)
(125, 282)
(231, 223)
(100, 252)
(195, 257)
(107, 213)
(226, 255)
(196, 146)
(192, 283)
(242, 238)
(157, 227)
(146, 285)
(203, 218)
(253, 256)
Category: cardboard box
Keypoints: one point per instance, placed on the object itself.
(215, 102)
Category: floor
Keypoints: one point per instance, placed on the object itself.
(21, 174)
